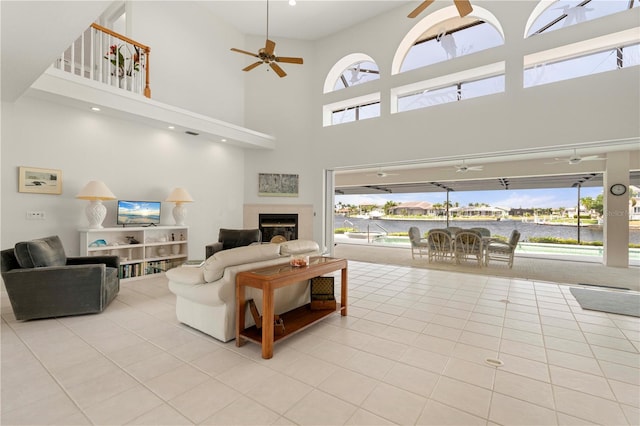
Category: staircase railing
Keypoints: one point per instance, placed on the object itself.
(103, 55)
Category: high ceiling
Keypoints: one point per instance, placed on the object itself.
(307, 20)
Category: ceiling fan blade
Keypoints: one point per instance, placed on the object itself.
(289, 60)
(252, 66)
(418, 10)
(277, 69)
(269, 47)
(245, 52)
(464, 7)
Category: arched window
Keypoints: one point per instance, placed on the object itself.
(358, 73)
(444, 35)
(551, 15)
(351, 70)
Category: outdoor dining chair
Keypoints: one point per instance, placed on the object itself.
(468, 246)
(502, 251)
(418, 244)
(440, 245)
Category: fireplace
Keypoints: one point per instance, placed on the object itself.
(274, 224)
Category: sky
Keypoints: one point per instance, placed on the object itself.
(524, 198)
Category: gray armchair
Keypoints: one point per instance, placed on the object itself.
(42, 282)
(232, 238)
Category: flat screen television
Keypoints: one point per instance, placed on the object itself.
(138, 213)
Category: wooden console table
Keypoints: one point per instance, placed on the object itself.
(270, 278)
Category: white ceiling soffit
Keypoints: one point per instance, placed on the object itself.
(58, 86)
(533, 168)
(494, 184)
(307, 20)
(34, 33)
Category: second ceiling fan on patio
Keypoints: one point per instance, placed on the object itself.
(464, 7)
(266, 55)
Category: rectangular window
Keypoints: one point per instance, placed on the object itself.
(594, 63)
(453, 93)
(355, 113)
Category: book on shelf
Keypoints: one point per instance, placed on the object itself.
(193, 263)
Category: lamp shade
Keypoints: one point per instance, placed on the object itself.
(96, 190)
(179, 195)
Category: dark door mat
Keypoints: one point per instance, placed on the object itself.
(614, 302)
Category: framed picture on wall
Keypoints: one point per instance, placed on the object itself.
(39, 181)
(277, 185)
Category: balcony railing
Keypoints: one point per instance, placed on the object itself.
(103, 55)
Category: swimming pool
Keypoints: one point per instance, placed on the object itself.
(523, 248)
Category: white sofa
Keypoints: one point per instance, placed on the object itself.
(206, 298)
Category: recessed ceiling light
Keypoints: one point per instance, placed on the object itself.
(223, 140)
(292, 2)
(171, 127)
(95, 109)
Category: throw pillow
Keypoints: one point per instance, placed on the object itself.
(41, 252)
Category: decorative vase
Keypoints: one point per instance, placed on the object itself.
(161, 251)
(175, 249)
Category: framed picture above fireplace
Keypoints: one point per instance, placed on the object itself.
(277, 185)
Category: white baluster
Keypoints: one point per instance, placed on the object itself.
(72, 58)
(92, 56)
(82, 65)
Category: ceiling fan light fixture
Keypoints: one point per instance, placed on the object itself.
(267, 56)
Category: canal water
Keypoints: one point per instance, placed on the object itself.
(501, 228)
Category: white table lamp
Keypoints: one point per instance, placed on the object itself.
(179, 196)
(96, 191)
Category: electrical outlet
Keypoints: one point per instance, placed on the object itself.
(35, 215)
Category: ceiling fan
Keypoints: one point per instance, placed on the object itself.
(463, 168)
(464, 7)
(266, 55)
(575, 159)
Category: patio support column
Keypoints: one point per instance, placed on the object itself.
(616, 211)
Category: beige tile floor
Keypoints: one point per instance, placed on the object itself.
(413, 350)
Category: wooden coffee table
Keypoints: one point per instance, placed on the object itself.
(273, 277)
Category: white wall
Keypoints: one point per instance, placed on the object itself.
(136, 162)
(282, 107)
(191, 64)
(595, 108)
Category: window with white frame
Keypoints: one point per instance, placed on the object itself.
(355, 113)
(350, 110)
(557, 14)
(602, 54)
(456, 92)
(468, 84)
